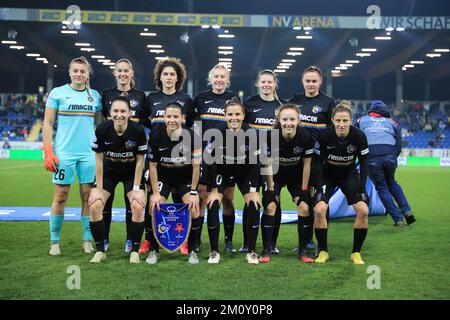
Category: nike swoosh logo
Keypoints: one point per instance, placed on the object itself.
(156, 103)
(106, 143)
(208, 101)
(162, 149)
(331, 147)
(256, 110)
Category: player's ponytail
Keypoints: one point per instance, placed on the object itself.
(276, 123)
(343, 106)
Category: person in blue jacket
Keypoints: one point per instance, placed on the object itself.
(384, 138)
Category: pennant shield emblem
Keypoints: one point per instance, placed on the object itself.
(171, 225)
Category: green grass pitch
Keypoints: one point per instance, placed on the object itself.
(414, 261)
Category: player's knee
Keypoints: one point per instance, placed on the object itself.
(270, 209)
(362, 211)
(215, 206)
(303, 208)
(61, 197)
(227, 203)
(320, 211)
(137, 216)
(137, 208)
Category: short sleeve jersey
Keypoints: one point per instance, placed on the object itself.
(119, 151)
(157, 102)
(260, 114)
(174, 157)
(338, 156)
(289, 154)
(316, 111)
(139, 109)
(75, 115)
(210, 108)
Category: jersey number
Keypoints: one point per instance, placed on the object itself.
(60, 174)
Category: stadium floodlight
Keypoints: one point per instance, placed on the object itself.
(55, 66)
(346, 65)
(389, 29)
(285, 64)
(417, 62)
(69, 31)
(226, 47)
(296, 49)
(403, 68)
(297, 28)
(304, 37)
(9, 42)
(383, 38)
(441, 50)
(434, 55)
(351, 61)
(225, 59)
(368, 50)
(97, 57)
(205, 26)
(33, 55)
(156, 51)
(288, 60)
(225, 52)
(293, 54)
(147, 34)
(388, 33)
(104, 60)
(282, 67)
(341, 68)
(154, 46)
(17, 47)
(359, 54)
(408, 66)
(307, 28)
(400, 29)
(226, 35)
(41, 59)
(161, 58)
(112, 67)
(279, 70)
(215, 26)
(87, 49)
(82, 44)
(45, 61)
(335, 71)
(109, 64)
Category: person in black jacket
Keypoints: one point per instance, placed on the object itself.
(340, 146)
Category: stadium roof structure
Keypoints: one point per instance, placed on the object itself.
(249, 35)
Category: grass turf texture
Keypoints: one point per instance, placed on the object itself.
(413, 260)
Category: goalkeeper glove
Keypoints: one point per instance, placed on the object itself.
(51, 161)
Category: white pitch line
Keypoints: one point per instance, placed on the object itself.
(24, 166)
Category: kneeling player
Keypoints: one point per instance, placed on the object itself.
(175, 164)
(120, 146)
(236, 163)
(292, 160)
(340, 145)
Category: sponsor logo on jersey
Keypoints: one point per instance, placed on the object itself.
(130, 144)
(208, 101)
(309, 118)
(77, 107)
(216, 110)
(341, 158)
(256, 110)
(351, 149)
(160, 113)
(317, 109)
(176, 160)
(264, 121)
(181, 103)
(156, 103)
(119, 154)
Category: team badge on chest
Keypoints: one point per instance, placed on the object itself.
(351, 148)
(130, 144)
(316, 109)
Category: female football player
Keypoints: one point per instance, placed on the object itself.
(74, 105)
(125, 87)
(179, 170)
(120, 146)
(260, 112)
(210, 109)
(340, 146)
(236, 161)
(291, 158)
